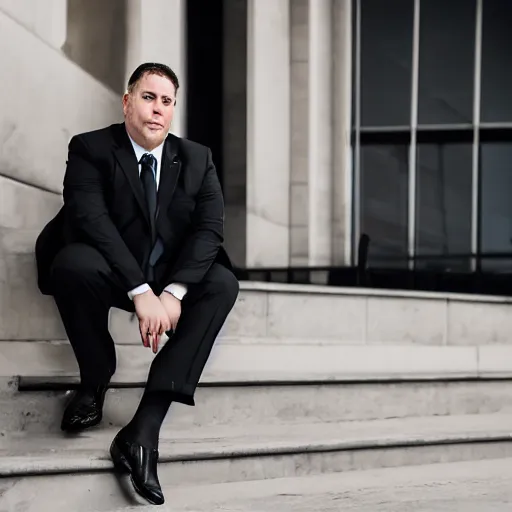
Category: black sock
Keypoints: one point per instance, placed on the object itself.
(145, 425)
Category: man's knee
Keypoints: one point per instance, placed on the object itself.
(74, 265)
(223, 283)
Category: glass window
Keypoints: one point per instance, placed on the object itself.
(384, 201)
(496, 203)
(446, 61)
(446, 87)
(443, 204)
(386, 62)
(496, 63)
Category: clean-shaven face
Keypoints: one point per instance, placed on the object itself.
(149, 109)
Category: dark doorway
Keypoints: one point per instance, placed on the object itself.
(204, 76)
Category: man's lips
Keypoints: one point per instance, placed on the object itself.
(152, 124)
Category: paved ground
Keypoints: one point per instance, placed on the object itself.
(466, 487)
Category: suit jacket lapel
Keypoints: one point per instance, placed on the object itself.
(169, 172)
(128, 162)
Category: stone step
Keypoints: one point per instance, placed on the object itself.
(357, 316)
(39, 406)
(482, 486)
(32, 468)
(263, 360)
(344, 315)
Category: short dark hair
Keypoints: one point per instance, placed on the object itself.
(153, 68)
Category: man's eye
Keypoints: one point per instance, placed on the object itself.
(146, 97)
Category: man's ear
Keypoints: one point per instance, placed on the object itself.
(126, 98)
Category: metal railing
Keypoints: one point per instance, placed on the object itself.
(433, 272)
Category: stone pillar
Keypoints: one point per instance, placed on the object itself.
(342, 110)
(268, 133)
(321, 116)
(320, 102)
(312, 132)
(299, 179)
(156, 32)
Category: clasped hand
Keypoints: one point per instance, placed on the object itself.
(156, 315)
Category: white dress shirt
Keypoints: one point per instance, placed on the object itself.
(177, 289)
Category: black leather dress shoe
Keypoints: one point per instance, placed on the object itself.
(140, 463)
(84, 410)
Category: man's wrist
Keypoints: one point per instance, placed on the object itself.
(177, 290)
(143, 288)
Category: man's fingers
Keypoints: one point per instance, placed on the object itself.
(144, 327)
(155, 340)
(155, 332)
(149, 330)
(154, 326)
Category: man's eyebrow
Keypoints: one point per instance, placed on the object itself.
(153, 94)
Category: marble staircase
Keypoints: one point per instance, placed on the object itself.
(304, 382)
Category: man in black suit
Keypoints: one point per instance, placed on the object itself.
(141, 229)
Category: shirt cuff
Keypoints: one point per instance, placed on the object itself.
(140, 289)
(177, 289)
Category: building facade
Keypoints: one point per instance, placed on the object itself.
(328, 119)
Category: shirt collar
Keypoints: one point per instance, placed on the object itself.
(140, 151)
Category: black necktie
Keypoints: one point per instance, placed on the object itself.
(148, 177)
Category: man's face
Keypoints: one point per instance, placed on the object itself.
(149, 109)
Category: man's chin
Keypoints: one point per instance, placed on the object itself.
(155, 137)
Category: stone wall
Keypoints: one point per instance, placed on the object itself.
(97, 39)
(45, 99)
(46, 19)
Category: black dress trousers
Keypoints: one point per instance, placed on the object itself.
(85, 288)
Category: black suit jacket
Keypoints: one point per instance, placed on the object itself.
(104, 206)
